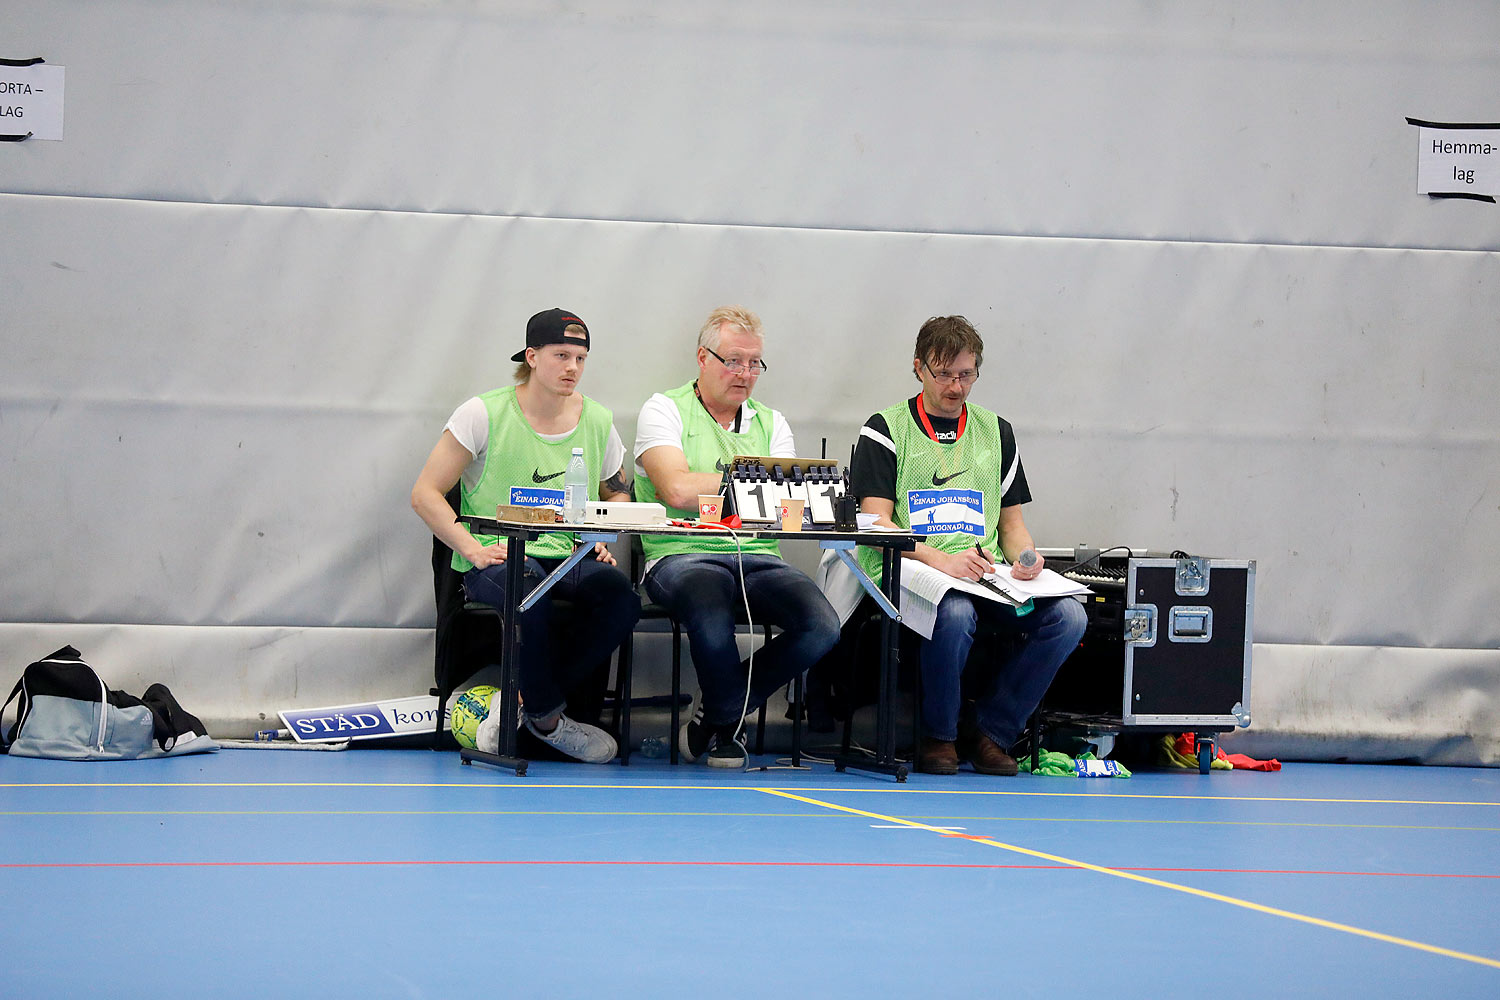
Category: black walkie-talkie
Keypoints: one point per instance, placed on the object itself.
(726, 488)
(845, 506)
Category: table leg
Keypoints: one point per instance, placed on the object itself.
(510, 638)
(885, 760)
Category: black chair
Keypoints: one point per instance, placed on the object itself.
(468, 640)
(467, 633)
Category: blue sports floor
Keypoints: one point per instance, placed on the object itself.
(381, 873)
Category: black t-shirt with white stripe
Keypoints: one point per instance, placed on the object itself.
(873, 473)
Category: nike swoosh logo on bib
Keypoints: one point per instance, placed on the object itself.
(537, 477)
(939, 481)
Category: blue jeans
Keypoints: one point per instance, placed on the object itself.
(607, 609)
(702, 591)
(1045, 638)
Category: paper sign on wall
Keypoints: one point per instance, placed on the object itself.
(31, 100)
(1458, 160)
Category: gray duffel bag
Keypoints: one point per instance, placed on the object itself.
(67, 712)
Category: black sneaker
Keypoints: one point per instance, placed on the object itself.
(725, 750)
(714, 745)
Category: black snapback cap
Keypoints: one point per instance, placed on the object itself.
(548, 328)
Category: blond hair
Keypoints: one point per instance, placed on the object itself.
(712, 329)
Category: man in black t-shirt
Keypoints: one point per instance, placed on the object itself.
(950, 471)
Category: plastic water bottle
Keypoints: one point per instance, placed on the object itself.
(654, 747)
(575, 488)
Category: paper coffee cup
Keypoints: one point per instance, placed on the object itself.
(710, 508)
(791, 514)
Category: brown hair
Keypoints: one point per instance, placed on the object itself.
(943, 338)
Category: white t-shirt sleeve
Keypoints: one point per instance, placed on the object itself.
(659, 423)
(470, 424)
(782, 445)
(470, 427)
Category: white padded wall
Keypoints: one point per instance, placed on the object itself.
(1274, 122)
(282, 240)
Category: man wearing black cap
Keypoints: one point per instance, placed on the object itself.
(512, 445)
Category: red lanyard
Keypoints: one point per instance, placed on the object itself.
(963, 418)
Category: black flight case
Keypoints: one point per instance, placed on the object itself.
(1167, 649)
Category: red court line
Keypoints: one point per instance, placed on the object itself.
(16, 866)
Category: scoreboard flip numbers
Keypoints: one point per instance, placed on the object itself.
(758, 485)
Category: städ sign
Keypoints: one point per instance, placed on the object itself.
(364, 721)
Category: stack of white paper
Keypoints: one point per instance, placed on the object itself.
(922, 589)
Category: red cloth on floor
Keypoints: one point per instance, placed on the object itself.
(1187, 745)
(1241, 762)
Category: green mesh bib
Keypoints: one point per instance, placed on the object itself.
(708, 448)
(973, 462)
(518, 456)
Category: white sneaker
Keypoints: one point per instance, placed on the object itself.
(578, 740)
(487, 736)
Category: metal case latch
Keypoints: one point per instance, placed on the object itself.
(1192, 576)
(1140, 625)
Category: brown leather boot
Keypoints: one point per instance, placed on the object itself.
(988, 758)
(938, 757)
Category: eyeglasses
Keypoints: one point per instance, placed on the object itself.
(754, 368)
(962, 378)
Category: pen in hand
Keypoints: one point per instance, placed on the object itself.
(990, 564)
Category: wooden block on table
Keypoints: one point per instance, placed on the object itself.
(527, 515)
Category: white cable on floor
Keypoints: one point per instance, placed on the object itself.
(739, 557)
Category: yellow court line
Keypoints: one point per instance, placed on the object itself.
(523, 784)
(1162, 884)
(1219, 822)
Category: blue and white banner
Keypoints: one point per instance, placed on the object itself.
(1089, 767)
(946, 512)
(531, 496)
(394, 717)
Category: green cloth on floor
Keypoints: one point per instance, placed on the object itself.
(1060, 765)
(1049, 762)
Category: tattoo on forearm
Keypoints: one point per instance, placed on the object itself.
(618, 483)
